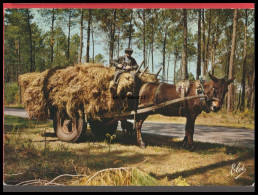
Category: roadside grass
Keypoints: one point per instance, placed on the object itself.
(16, 106)
(14, 123)
(33, 155)
(235, 119)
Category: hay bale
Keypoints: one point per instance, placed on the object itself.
(32, 96)
(148, 78)
(84, 87)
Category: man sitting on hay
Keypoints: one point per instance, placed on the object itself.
(123, 64)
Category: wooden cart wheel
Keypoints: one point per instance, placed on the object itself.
(100, 128)
(69, 130)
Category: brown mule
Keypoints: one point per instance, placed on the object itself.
(215, 90)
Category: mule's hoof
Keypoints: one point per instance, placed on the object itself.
(184, 145)
(190, 147)
(142, 145)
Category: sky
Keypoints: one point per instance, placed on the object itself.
(100, 46)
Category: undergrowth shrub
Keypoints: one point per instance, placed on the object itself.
(11, 93)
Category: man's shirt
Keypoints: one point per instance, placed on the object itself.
(125, 61)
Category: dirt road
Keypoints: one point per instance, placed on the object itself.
(211, 134)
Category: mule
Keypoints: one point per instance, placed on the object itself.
(215, 90)
(127, 127)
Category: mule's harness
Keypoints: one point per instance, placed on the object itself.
(200, 91)
(157, 92)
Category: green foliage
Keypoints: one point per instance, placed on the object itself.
(11, 93)
(180, 182)
(191, 76)
(99, 58)
(140, 178)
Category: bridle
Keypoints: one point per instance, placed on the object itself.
(213, 98)
(205, 101)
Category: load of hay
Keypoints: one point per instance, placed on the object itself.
(80, 87)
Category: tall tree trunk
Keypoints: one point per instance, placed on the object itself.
(57, 48)
(152, 45)
(208, 44)
(253, 92)
(203, 47)
(19, 66)
(198, 70)
(249, 94)
(34, 54)
(228, 60)
(228, 50)
(69, 32)
(92, 37)
(215, 42)
(164, 54)
(88, 37)
(144, 24)
(239, 99)
(130, 29)
(19, 57)
(147, 56)
(152, 57)
(230, 101)
(168, 66)
(212, 55)
(213, 51)
(52, 38)
(242, 106)
(118, 40)
(176, 56)
(81, 37)
(30, 39)
(112, 38)
(152, 51)
(184, 54)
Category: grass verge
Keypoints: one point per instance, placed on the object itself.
(221, 118)
(34, 156)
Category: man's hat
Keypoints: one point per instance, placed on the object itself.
(128, 50)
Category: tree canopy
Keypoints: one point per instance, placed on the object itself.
(183, 42)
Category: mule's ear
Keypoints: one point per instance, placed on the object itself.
(215, 79)
(230, 80)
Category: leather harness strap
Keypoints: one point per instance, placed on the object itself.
(142, 90)
(200, 91)
(157, 92)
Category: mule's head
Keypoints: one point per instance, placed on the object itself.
(216, 92)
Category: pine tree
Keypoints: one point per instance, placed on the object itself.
(230, 100)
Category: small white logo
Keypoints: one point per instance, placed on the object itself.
(237, 169)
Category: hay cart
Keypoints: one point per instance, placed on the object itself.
(73, 130)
